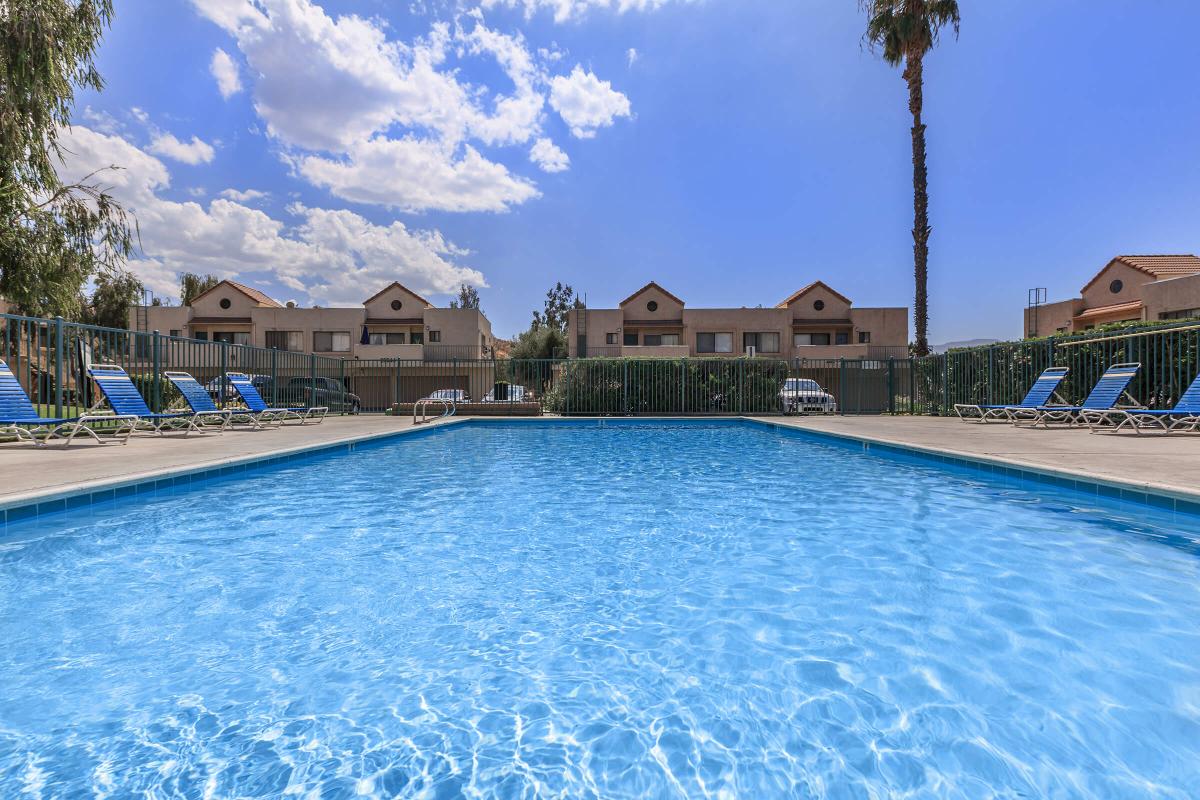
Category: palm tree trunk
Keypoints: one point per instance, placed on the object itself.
(921, 229)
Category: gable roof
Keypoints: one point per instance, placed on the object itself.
(258, 297)
(1157, 267)
(396, 285)
(809, 288)
(651, 285)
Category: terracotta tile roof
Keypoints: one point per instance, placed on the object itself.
(1158, 267)
(809, 288)
(1117, 308)
(651, 285)
(252, 293)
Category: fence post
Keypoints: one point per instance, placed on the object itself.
(842, 387)
(945, 384)
(566, 373)
(892, 385)
(225, 387)
(312, 380)
(342, 382)
(991, 371)
(274, 377)
(396, 378)
(58, 370)
(156, 379)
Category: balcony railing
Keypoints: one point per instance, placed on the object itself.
(456, 352)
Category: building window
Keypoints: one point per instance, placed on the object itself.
(864, 337)
(331, 341)
(397, 305)
(200, 336)
(629, 339)
(292, 341)
(766, 342)
(225, 304)
(1187, 313)
(435, 337)
(714, 342)
(661, 339)
(809, 339)
(841, 337)
(819, 305)
(416, 337)
(175, 332)
(610, 338)
(652, 306)
(1116, 286)
(387, 338)
(231, 337)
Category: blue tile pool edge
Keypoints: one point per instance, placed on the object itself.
(20, 510)
(1100, 487)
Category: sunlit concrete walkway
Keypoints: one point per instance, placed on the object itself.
(29, 473)
(1151, 462)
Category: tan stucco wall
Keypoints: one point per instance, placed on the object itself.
(835, 307)
(888, 328)
(465, 328)
(1051, 317)
(1098, 294)
(667, 308)
(1174, 294)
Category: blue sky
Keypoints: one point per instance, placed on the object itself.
(731, 151)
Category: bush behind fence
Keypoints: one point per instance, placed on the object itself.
(42, 352)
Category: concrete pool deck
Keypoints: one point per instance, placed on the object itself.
(1167, 466)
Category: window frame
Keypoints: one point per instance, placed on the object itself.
(332, 341)
(758, 339)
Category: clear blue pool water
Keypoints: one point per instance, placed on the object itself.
(627, 610)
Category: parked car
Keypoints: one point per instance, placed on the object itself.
(804, 395)
(328, 392)
(512, 393)
(226, 393)
(453, 395)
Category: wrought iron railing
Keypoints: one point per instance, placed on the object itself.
(43, 353)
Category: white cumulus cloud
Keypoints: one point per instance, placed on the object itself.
(549, 156)
(225, 70)
(194, 152)
(331, 255)
(242, 196)
(394, 122)
(585, 102)
(564, 10)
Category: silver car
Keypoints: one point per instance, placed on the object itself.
(804, 395)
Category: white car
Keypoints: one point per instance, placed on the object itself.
(450, 395)
(803, 395)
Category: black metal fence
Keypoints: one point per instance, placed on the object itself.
(43, 354)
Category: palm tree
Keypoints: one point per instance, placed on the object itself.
(905, 30)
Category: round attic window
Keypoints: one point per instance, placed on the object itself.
(1116, 286)
(819, 305)
(652, 306)
(225, 303)
(396, 305)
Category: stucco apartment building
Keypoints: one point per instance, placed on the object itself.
(394, 323)
(816, 322)
(1128, 289)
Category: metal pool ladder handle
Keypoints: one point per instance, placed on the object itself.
(422, 404)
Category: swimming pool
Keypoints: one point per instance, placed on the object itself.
(621, 610)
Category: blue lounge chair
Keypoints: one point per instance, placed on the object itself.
(1039, 395)
(1185, 416)
(20, 418)
(122, 396)
(260, 414)
(1105, 395)
(198, 400)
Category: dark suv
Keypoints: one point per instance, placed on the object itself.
(320, 392)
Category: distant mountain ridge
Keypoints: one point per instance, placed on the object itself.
(941, 348)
